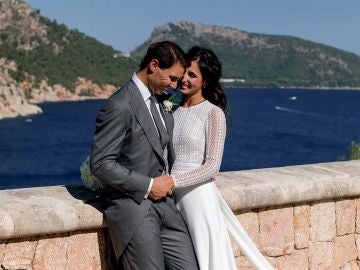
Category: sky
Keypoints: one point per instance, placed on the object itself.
(125, 24)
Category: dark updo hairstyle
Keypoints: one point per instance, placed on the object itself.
(166, 52)
(210, 68)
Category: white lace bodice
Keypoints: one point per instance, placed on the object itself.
(199, 136)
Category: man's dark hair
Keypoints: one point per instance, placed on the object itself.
(166, 52)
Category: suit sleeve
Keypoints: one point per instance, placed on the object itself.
(112, 123)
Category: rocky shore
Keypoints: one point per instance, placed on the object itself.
(20, 99)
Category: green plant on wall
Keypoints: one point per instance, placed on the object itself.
(354, 151)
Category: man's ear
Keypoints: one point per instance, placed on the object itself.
(154, 65)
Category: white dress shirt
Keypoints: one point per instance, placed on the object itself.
(146, 94)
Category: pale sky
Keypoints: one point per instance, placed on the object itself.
(126, 24)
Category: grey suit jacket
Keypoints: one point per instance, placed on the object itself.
(126, 154)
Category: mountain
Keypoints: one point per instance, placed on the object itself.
(41, 60)
(251, 59)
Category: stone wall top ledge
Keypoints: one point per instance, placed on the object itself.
(46, 210)
(290, 185)
(55, 209)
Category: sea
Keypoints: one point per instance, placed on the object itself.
(266, 128)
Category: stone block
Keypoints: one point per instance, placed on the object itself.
(345, 217)
(357, 240)
(298, 260)
(51, 254)
(19, 255)
(243, 264)
(301, 226)
(320, 255)
(84, 251)
(7, 225)
(276, 231)
(357, 202)
(351, 266)
(2, 251)
(322, 221)
(344, 251)
(250, 222)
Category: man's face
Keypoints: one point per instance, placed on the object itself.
(165, 78)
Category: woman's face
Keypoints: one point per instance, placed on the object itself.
(192, 81)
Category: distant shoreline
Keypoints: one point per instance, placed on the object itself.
(37, 110)
(292, 88)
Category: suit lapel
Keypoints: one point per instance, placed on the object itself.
(142, 114)
(167, 119)
(169, 122)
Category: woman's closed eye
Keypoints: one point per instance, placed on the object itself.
(192, 75)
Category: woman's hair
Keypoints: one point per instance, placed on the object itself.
(210, 68)
(166, 52)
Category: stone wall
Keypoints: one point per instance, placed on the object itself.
(71, 251)
(300, 217)
(315, 235)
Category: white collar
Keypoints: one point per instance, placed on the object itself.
(145, 92)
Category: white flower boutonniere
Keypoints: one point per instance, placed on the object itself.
(170, 100)
(170, 104)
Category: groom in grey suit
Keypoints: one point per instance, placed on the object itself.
(132, 154)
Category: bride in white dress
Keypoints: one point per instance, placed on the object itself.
(199, 135)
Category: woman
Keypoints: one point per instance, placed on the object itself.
(199, 134)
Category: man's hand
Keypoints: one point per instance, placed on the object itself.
(162, 185)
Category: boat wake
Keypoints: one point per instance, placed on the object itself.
(298, 112)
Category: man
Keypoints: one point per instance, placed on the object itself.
(132, 153)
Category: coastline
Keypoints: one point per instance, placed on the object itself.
(293, 87)
(21, 107)
(28, 109)
(22, 99)
(322, 88)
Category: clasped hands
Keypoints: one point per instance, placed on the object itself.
(162, 186)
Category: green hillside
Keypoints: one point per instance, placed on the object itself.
(265, 60)
(45, 50)
(60, 55)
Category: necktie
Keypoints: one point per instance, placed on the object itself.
(164, 136)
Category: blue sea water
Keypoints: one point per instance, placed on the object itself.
(266, 128)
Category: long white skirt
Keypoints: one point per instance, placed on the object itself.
(199, 205)
(209, 219)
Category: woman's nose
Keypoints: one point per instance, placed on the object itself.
(184, 78)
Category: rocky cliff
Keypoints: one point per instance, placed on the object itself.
(41, 60)
(265, 60)
(12, 98)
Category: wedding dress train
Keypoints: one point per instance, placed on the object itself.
(199, 135)
(245, 243)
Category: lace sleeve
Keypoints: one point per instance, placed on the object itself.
(215, 138)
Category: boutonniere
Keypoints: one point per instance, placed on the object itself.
(171, 100)
(170, 104)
